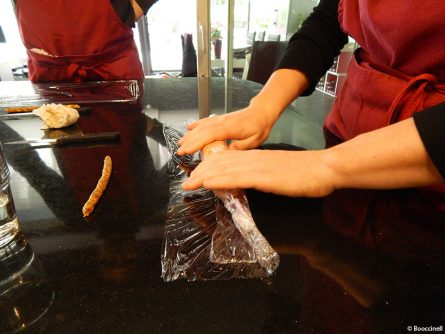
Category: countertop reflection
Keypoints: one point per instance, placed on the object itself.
(336, 275)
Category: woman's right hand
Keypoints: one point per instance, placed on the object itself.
(248, 127)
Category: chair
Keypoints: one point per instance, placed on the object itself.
(241, 53)
(20, 72)
(273, 37)
(250, 38)
(264, 58)
(260, 36)
(189, 62)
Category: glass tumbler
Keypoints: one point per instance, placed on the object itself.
(25, 295)
(9, 226)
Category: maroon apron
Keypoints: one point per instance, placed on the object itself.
(395, 72)
(398, 70)
(82, 41)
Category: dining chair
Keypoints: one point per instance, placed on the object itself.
(260, 36)
(189, 66)
(250, 37)
(265, 56)
(241, 53)
(273, 37)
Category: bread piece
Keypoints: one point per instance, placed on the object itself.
(12, 110)
(56, 116)
(97, 193)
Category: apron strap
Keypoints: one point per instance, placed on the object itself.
(77, 72)
(411, 98)
(80, 68)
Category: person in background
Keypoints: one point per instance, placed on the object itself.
(386, 129)
(81, 40)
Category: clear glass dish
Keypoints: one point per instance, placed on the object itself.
(25, 93)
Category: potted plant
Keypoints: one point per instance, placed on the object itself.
(215, 36)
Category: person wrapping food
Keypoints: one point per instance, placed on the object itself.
(386, 129)
(81, 40)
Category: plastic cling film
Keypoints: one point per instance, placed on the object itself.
(223, 249)
(236, 203)
(207, 238)
(201, 242)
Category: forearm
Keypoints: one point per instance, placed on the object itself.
(387, 158)
(283, 87)
(138, 12)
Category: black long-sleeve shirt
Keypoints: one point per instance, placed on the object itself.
(124, 9)
(312, 50)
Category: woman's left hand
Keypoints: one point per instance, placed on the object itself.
(289, 173)
(388, 158)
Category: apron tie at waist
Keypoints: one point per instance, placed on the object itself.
(119, 61)
(78, 72)
(411, 98)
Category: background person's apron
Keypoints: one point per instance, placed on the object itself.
(85, 41)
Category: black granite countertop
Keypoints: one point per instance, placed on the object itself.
(379, 273)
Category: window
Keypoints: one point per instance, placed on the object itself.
(167, 21)
(12, 51)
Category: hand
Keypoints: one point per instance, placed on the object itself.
(138, 12)
(250, 127)
(388, 158)
(289, 173)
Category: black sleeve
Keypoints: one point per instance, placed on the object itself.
(146, 4)
(431, 126)
(125, 11)
(314, 46)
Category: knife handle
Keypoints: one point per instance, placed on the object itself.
(89, 138)
(84, 110)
